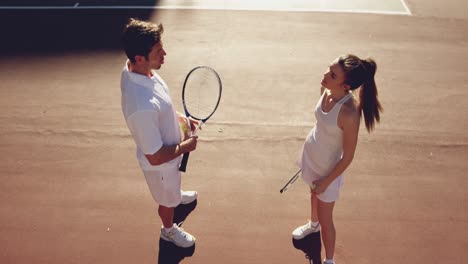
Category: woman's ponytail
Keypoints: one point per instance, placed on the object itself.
(360, 73)
(368, 96)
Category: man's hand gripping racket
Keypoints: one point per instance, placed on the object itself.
(200, 97)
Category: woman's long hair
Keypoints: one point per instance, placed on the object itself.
(360, 73)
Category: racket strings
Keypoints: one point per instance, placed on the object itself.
(201, 95)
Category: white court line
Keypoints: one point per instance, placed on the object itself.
(403, 3)
(223, 7)
(292, 10)
(202, 8)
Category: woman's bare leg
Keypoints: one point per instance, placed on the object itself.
(325, 216)
(313, 207)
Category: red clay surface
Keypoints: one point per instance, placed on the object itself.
(72, 191)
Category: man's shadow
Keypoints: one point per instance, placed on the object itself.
(311, 245)
(169, 253)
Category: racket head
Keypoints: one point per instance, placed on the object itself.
(201, 93)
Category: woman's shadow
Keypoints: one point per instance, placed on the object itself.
(170, 253)
(311, 245)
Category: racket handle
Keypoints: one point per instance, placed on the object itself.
(183, 164)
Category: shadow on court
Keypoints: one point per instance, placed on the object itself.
(62, 30)
(311, 245)
(170, 253)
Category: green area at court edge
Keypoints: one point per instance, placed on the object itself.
(75, 3)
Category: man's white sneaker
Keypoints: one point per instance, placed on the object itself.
(188, 196)
(305, 230)
(178, 236)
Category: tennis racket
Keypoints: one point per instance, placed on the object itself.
(200, 97)
(291, 181)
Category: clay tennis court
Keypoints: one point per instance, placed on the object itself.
(72, 190)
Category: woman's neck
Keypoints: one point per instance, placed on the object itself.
(336, 95)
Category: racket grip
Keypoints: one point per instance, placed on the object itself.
(183, 164)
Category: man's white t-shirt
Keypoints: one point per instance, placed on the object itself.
(150, 115)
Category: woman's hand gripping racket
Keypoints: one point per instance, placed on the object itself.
(200, 96)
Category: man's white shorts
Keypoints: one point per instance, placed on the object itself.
(332, 193)
(165, 186)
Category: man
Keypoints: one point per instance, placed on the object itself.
(154, 124)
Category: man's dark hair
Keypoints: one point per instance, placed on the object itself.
(139, 37)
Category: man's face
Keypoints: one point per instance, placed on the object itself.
(156, 56)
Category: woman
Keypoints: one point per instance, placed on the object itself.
(329, 148)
